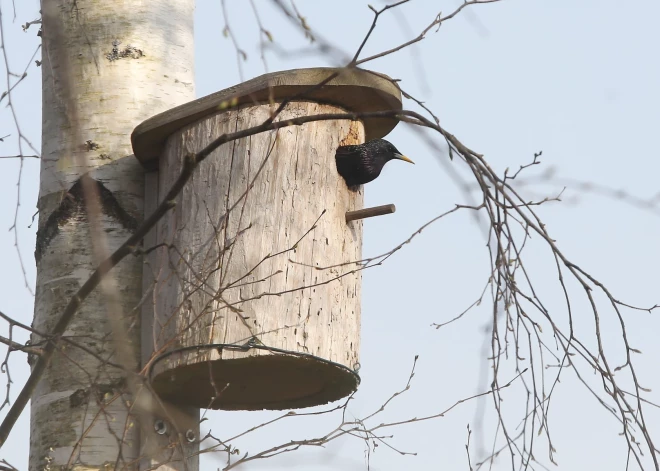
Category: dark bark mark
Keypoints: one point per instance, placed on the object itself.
(78, 398)
(128, 52)
(103, 393)
(73, 205)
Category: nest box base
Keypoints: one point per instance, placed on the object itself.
(265, 382)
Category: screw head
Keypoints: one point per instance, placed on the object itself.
(160, 427)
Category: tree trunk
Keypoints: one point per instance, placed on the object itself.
(107, 66)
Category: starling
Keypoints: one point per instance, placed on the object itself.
(362, 164)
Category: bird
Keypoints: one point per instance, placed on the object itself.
(363, 163)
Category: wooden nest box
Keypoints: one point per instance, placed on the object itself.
(252, 296)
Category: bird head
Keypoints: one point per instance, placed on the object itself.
(360, 164)
(386, 151)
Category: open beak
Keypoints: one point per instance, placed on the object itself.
(403, 157)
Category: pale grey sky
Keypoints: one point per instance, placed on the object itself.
(577, 80)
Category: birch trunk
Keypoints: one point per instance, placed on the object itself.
(107, 66)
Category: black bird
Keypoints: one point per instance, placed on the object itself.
(362, 164)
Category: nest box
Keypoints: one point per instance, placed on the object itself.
(251, 290)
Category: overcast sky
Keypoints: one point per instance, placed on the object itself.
(575, 80)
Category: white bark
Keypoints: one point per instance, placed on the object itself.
(93, 97)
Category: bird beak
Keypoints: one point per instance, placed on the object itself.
(403, 157)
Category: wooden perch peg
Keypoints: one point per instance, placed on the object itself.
(370, 212)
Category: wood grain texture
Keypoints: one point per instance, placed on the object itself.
(158, 449)
(354, 90)
(249, 246)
